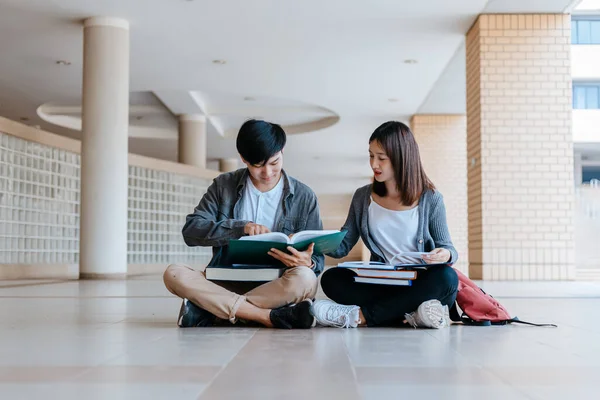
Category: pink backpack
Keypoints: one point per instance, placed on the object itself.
(479, 308)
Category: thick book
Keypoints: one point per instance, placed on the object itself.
(378, 281)
(385, 273)
(254, 249)
(243, 272)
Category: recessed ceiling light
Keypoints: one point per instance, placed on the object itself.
(219, 62)
(63, 62)
(410, 61)
(249, 98)
(393, 100)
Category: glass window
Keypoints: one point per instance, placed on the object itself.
(584, 32)
(578, 97)
(591, 97)
(590, 172)
(586, 95)
(595, 32)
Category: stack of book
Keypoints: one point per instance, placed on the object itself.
(397, 274)
(250, 261)
(243, 272)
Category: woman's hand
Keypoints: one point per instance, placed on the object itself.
(437, 256)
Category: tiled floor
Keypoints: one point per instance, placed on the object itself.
(118, 340)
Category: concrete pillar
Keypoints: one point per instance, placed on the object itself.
(442, 143)
(192, 140)
(228, 164)
(104, 166)
(520, 147)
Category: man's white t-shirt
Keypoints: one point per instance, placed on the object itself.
(260, 207)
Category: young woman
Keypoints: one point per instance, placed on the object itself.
(400, 212)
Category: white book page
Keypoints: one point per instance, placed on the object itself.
(412, 254)
(268, 237)
(408, 257)
(308, 235)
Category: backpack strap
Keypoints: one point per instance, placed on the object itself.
(516, 320)
(468, 321)
(464, 318)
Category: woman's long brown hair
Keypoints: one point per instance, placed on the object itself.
(400, 146)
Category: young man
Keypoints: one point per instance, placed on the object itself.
(250, 201)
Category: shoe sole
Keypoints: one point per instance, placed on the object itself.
(432, 313)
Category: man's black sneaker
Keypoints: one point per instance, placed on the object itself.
(295, 317)
(190, 315)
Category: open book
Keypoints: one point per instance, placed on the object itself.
(254, 249)
(283, 238)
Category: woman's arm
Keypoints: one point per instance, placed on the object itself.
(352, 228)
(438, 228)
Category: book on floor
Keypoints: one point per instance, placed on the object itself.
(243, 272)
(254, 249)
(379, 281)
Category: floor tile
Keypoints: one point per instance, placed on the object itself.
(310, 364)
(119, 340)
(102, 391)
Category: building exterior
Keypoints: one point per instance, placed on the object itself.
(503, 97)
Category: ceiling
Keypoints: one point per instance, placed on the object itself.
(329, 71)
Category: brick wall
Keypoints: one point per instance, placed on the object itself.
(520, 155)
(442, 144)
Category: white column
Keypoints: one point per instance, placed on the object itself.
(192, 140)
(228, 164)
(104, 167)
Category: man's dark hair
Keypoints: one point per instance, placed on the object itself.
(257, 141)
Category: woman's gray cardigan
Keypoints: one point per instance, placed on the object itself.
(432, 231)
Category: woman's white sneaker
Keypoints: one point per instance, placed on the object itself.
(430, 314)
(329, 313)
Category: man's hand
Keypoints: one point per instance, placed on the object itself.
(296, 259)
(437, 256)
(252, 229)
